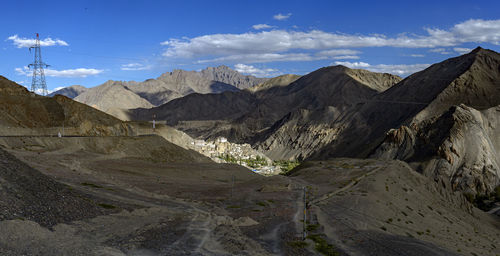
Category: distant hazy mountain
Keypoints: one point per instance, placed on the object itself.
(180, 83)
(70, 92)
(116, 96)
(112, 97)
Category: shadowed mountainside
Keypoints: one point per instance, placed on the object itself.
(25, 113)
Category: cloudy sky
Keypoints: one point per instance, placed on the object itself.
(89, 42)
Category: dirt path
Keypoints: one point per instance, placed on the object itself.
(346, 187)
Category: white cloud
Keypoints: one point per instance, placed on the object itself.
(58, 88)
(261, 26)
(262, 58)
(278, 57)
(25, 71)
(337, 52)
(28, 42)
(299, 46)
(417, 55)
(461, 50)
(280, 16)
(353, 64)
(135, 67)
(251, 70)
(78, 72)
(440, 50)
(346, 57)
(398, 69)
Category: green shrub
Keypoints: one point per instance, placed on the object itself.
(322, 246)
(107, 206)
(298, 244)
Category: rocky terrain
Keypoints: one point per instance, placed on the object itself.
(70, 91)
(426, 159)
(24, 113)
(262, 117)
(384, 207)
(115, 96)
(282, 80)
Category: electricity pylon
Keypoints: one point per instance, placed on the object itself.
(38, 82)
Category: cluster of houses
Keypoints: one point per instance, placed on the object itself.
(221, 150)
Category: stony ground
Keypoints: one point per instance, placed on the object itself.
(116, 196)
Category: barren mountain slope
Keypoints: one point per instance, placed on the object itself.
(471, 79)
(112, 95)
(240, 116)
(282, 80)
(24, 113)
(25, 193)
(70, 91)
(179, 83)
(226, 75)
(314, 114)
(459, 149)
(381, 207)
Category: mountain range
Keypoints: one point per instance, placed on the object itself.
(337, 112)
(341, 112)
(387, 166)
(115, 96)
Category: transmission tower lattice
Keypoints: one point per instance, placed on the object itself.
(38, 83)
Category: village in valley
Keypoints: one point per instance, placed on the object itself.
(221, 150)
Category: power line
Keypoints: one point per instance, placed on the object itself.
(38, 80)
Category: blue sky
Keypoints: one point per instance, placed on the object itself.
(90, 42)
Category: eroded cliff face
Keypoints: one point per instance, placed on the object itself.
(459, 148)
(321, 110)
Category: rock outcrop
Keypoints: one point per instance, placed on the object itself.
(458, 149)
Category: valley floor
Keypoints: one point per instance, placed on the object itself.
(160, 203)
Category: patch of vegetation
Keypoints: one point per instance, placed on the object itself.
(383, 228)
(251, 162)
(234, 207)
(107, 206)
(322, 246)
(286, 166)
(484, 202)
(312, 227)
(90, 185)
(346, 166)
(298, 244)
(389, 220)
(263, 204)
